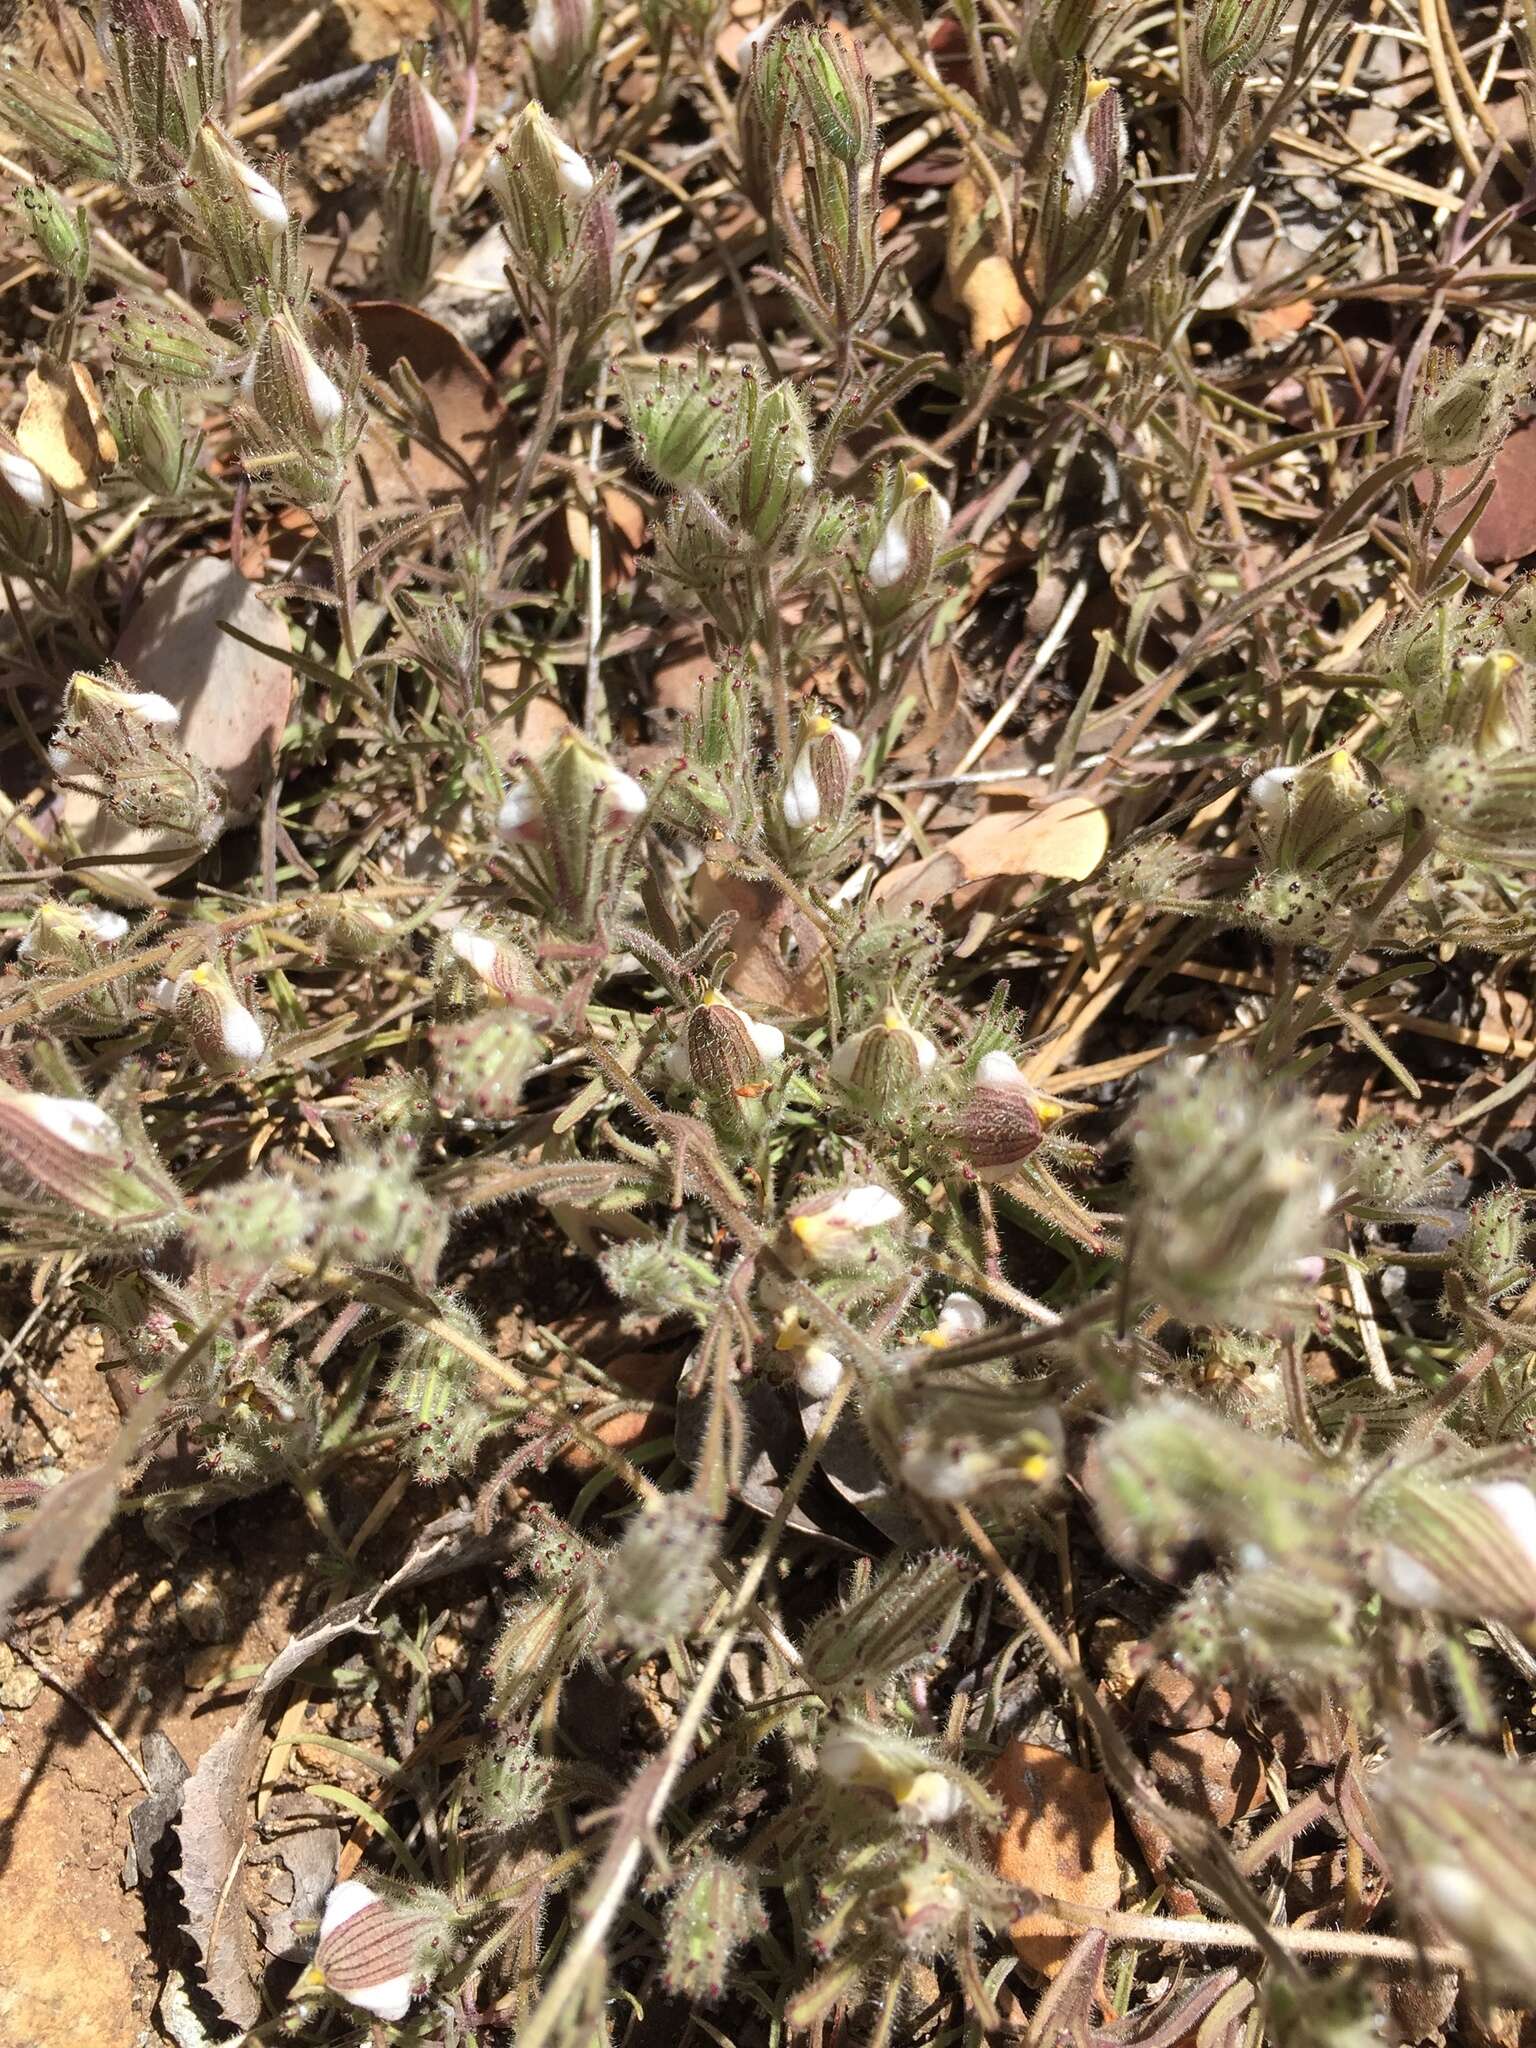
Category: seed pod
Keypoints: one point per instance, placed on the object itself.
(253, 1226)
(166, 348)
(1000, 1123)
(152, 439)
(685, 420)
(56, 121)
(659, 1580)
(434, 1386)
(509, 1784)
(1299, 908)
(62, 234)
(836, 92)
(905, 1618)
(544, 1638)
(370, 1208)
(723, 1051)
(369, 1951)
(714, 1910)
(1465, 408)
(1490, 1253)
(562, 35)
(480, 1065)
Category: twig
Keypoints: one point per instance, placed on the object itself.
(66, 1691)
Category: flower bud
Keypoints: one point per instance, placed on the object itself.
(1490, 1252)
(509, 1784)
(1465, 408)
(1459, 1827)
(1095, 161)
(902, 559)
(659, 1580)
(722, 1051)
(1232, 35)
(817, 1370)
(1467, 1549)
(1170, 1474)
(821, 777)
(775, 468)
(217, 1025)
(74, 1150)
(369, 1952)
(56, 121)
(1482, 810)
(231, 181)
(1267, 1626)
(763, 103)
(1311, 815)
(839, 1228)
(166, 348)
(905, 1619)
(69, 935)
(1000, 1123)
(292, 395)
(96, 701)
(497, 965)
(480, 1065)
(540, 184)
(881, 1066)
(152, 439)
(973, 1435)
(836, 92)
(62, 234)
(117, 742)
(411, 127)
(1392, 1169)
(562, 36)
(176, 22)
(714, 1910)
(434, 1386)
(685, 421)
(1232, 1192)
(545, 1637)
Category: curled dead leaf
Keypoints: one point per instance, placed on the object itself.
(1065, 841)
(63, 429)
(977, 268)
(778, 951)
(1058, 1838)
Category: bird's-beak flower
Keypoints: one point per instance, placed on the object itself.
(367, 1951)
(816, 1369)
(821, 775)
(836, 1227)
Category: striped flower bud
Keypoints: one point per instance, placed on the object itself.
(540, 184)
(1232, 35)
(882, 1065)
(1465, 408)
(562, 35)
(480, 1064)
(76, 1151)
(821, 777)
(840, 1227)
(816, 1369)
(61, 232)
(286, 385)
(68, 934)
(219, 164)
(836, 92)
(1467, 1550)
(174, 21)
(1095, 154)
(723, 1051)
(93, 700)
(214, 1021)
(1001, 1121)
(368, 1952)
(493, 960)
(713, 1911)
(776, 466)
(900, 1772)
(902, 557)
(411, 127)
(685, 420)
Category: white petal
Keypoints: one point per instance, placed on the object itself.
(998, 1070)
(962, 1316)
(802, 799)
(768, 1039)
(390, 2000)
(376, 134)
(149, 707)
(165, 992)
(575, 173)
(26, 479)
(241, 1032)
(266, 202)
(869, 1208)
(325, 399)
(850, 743)
(248, 379)
(927, 1052)
(443, 126)
(193, 20)
(817, 1372)
(476, 949)
(1269, 790)
(933, 1799)
(343, 1901)
(521, 815)
(846, 1058)
(60, 760)
(1515, 1505)
(1403, 1579)
(678, 1066)
(624, 798)
(891, 558)
(104, 925)
(84, 1126)
(544, 31)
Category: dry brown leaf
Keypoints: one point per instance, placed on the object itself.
(1507, 530)
(470, 416)
(1066, 841)
(979, 274)
(1057, 1837)
(940, 681)
(64, 430)
(778, 951)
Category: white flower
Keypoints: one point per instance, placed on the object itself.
(521, 816)
(241, 1031)
(817, 1370)
(145, 707)
(1269, 791)
(623, 800)
(105, 926)
(1081, 170)
(25, 479)
(767, 1040)
(944, 1472)
(61, 760)
(930, 1800)
(892, 556)
(1403, 1579)
(998, 1070)
(802, 793)
(572, 169)
(238, 1030)
(67, 921)
(846, 1058)
(836, 1228)
(961, 1316)
(266, 203)
(477, 950)
(390, 1998)
(82, 1126)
